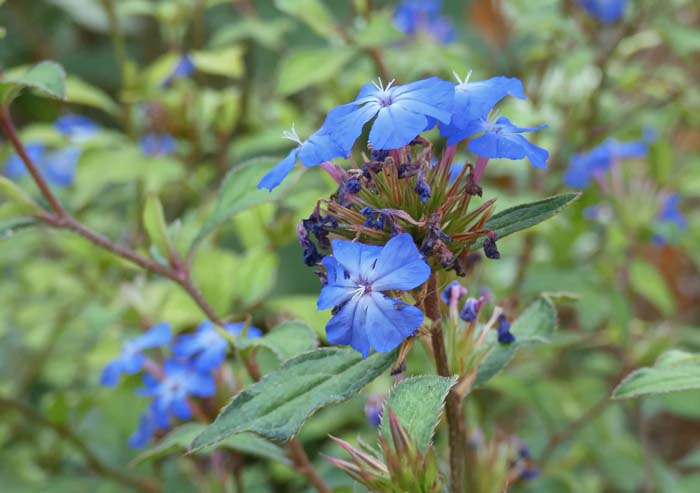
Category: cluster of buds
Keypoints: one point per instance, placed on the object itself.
(400, 467)
(500, 463)
(404, 190)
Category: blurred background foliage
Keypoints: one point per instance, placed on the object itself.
(261, 66)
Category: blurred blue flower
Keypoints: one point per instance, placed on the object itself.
(76, 127)
(158, 144)
(311, 152)
(184, 67)
(502, 139)
(131, 359)
(505, 336)
(358, 274)
(423, 16)
(145, 431)
(474, 100)
(208, 346)
(456, 288)
(606, 11)
(470, 310)
(170, 394)
(58, 167)
(584, 166)
(374, 408)
(402, 112)
(670, 213)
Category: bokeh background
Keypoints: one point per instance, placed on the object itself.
(628, 263)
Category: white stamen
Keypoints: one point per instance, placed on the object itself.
(380, 84)
(292, 135)
(464, 82)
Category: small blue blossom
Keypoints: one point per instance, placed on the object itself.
(402, 112)
(423, 16)
(474, 100)
(14, 166)
(502, 139)
(131, 359)
(670, 213)
(207, 346)
(184, 67)
(583, 167)
(58, 166)
(158, 144)
(76, 127)
(145, 431)
(374, 408)
(470, 310)
(358, 275)
(311, 152)
(456, 288)
(504, 334)
(170, 394)
(606, 11)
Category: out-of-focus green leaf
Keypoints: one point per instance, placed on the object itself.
(15, 194)
(269, 33)
(286, 340)
(649, 283)
(256, 276)
(378, 31)
(9, 227)
(156, 227)
(227, 62)
(304, 68)
(418, 403)
(526, 215)
(80, 92)
(277, 406)
(674, 371)
(313, 13)
(535, 325)
(180, 438)
(46, 78)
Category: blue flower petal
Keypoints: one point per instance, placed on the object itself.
(76, 127)
(606, 11)
(111, 373)
(348, 327)
(357, 258)
(344, 127)
(399, 266)
(395, 127)
(144, 432)
(14, 166)
(475, 100)
(158, 335)
(275, 176)
(211, 357)
(502, 140)
(340, 285)
(181, 409)
(59, 166)
(389, 321)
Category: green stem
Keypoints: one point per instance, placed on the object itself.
(119, 46)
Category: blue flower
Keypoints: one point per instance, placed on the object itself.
(358, 275)
(131, 359)
(456, 288)
(401, 112)
(208, 346)
(58, 167)
(606, 11)
(311, 152)
(505, 336)
(374, 408)
(158, 144)
(584, 166)
(170, 394)
(415, 16)
(470, 310)
(670, 213)
(76, 127)
(145, 431)
(474, 100)
(502, 139)
(183, 69)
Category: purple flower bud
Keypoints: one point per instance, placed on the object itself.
(453, 289)
(529, 473)
(373, 409)
(379, 154)
(470, 310)
(490, 248)
(311, 255)
(504, 334)
(422, 188)
(353, 185)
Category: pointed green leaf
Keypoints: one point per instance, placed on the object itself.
(15, 194)
(313, 13)
(674, 371)
(524, 216)
(277, 406)
(286, 340)
(535, 325)
(156, 227)
(418, 403)
(649, 283)
(304, 68)
(80, 92)
(46, 78)
(9, 227)
(180, 438)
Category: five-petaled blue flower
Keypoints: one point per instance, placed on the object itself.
(585, 166)
(402, 112)
(423, 16)
(170, 394)
(606, 11)
(131, 359)
(58, 166)
(502, 139)
(474, 100)
(208, 346)
(76, 127)
(311, 152)
(158, 144)
(184, 67)
(358, 277)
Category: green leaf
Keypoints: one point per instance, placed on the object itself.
(180, 438)
(418, 403)
(650, 284)
(9, 227)
(304, 68)
(227, 62)
(378, 31)
(313, 13)
(524, 216)
(239, 192)
(286, 340)
(270, 33)
(535, 325)
(80, 92)
(15, 194)
(277, 406)
(156, 227)
(674, 371)
(46, 78)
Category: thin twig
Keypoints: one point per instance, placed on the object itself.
(93, 461)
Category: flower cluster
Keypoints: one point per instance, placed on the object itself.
(404, 210)
(171, 385)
